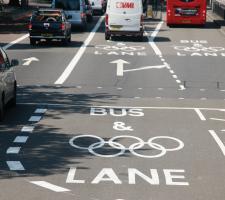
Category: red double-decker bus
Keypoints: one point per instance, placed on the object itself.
(186, 12)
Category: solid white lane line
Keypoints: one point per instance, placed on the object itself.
(147, 67)
(217, 119)
(13, 150)
(218, 141)
(15, 41)
(40, 111)
(199, 113)
(34, 119)
(79, 54)
(21, 139)
(15, 165)
(151, 40)
(28, 129)
(50, 186)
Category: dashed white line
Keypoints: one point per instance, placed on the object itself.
(218, 141)
(21, 139)
(13, 150)
(199, 113)
(40, 111)
(50, 186)
(175, 76)
(34, 119)
(78, 56)
(171, 71)
(28, 129)
(15, 165)
(15, 41)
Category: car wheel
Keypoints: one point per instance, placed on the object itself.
(2, 108)
(140, 38)
(107, 36)
(32, 41)
(13, 101)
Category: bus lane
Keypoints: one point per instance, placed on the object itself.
(127, 152)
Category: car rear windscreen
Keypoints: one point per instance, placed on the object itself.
(127, 6)
(67, 4)
(47, 16)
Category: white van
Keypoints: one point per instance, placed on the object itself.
(98, 5)
(124, 17)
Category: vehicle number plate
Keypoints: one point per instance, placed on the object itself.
(47, 35)
(116, 27)
(186, 21)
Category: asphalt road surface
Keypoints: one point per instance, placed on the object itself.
(119, 119)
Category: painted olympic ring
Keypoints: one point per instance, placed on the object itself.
(120, 48)
(200, 48)
(122, 149)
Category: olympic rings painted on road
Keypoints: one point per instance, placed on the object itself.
(113, 143)
(199, 48)
(120, 48)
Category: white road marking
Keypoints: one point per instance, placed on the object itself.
(160, 89)
(218, 141)
(174, 76)
(50, 186)
(28, 129)
(119, 88)
(203, 98)
(15, 165)
(34, 119)
(119, 65)
(199, 113)
(15, 41)
(40, 111)
(79, 54)
(151, 39)
(13, 150)
(147, 67)
(171, 71)
(140, 88)
(21, 139)
(29, 61)
(217, 119)
(127, 107)
(182, 87)
(178, 81)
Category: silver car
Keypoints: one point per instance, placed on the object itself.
(7, 82)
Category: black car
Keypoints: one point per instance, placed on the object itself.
(49, 24)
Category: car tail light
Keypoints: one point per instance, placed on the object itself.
(107, 19)
(30, 26)
(63, 27)
(82, 15)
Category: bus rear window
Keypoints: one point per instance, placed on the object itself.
(68, 4)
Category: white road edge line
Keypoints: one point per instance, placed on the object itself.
(78, 55)
(218, 141)
(199, 113)
(152, 37)
(50, 186)
(15, 41)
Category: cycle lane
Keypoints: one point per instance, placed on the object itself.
(124, 153)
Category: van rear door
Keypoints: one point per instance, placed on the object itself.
(125, 15)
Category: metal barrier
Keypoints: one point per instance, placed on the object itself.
(219, 8)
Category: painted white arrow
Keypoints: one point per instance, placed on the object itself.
(29, 60)
(119, 64)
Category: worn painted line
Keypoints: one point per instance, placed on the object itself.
(13, 150)
(79, 54)
(50, 186)
(34, 119)
(199, 113)
(218, 141)
(153, 36)
(15, 41)
(40, 111)
(15, 165)
(28, 129)
(217, 119)
(147, 67)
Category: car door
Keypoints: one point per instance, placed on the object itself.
(8, 77)
(125, 15)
